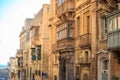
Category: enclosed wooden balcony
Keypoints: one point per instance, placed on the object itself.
(67, 6)
(35, 38)
(64, 44)
(114, 40)
(85, 41)
(35, 34)
(113, 20)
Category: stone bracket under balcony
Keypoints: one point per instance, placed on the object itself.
(67, 6)
(109, 5)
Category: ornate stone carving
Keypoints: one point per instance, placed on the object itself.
(109, 5)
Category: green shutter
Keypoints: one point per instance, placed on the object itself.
(39, 52)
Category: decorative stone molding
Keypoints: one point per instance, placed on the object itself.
(103, 55)
(109, 5)
(102, 51)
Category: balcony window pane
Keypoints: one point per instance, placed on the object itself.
(61, 32)
(60, 2)
(109, 25)
(69, 30)
(119, 22)
(114, 23)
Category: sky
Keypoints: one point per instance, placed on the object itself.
(12, 16)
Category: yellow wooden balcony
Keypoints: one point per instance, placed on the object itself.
(66, 7)
(85, 40)
(67, 43)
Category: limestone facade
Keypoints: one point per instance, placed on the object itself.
(40, 44)
(73, 40)
(13, 70)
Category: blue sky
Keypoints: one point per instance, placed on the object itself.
(12, 16)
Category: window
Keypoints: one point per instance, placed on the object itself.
(103, 26)
(18, 73)
(86, 56)
(69, 30)
(38, 52)
(61, 32)
(60, 2)
(109, 24)
(33, 56)
(32, 50)
(88, 23)
(105, 65)
(115, 23)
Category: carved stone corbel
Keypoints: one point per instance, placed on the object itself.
(109, 5)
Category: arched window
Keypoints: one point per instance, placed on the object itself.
(105, 65)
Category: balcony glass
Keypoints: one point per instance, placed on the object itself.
(113, 25)
(60, 2)
(70, 30)
(61, 31)
(109, 25)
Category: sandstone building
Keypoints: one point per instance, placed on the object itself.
(13, 68)
(40, 44)
(72, 40)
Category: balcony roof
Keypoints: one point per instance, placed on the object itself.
(113, 13)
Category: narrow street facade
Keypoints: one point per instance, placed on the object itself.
(71, 40)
